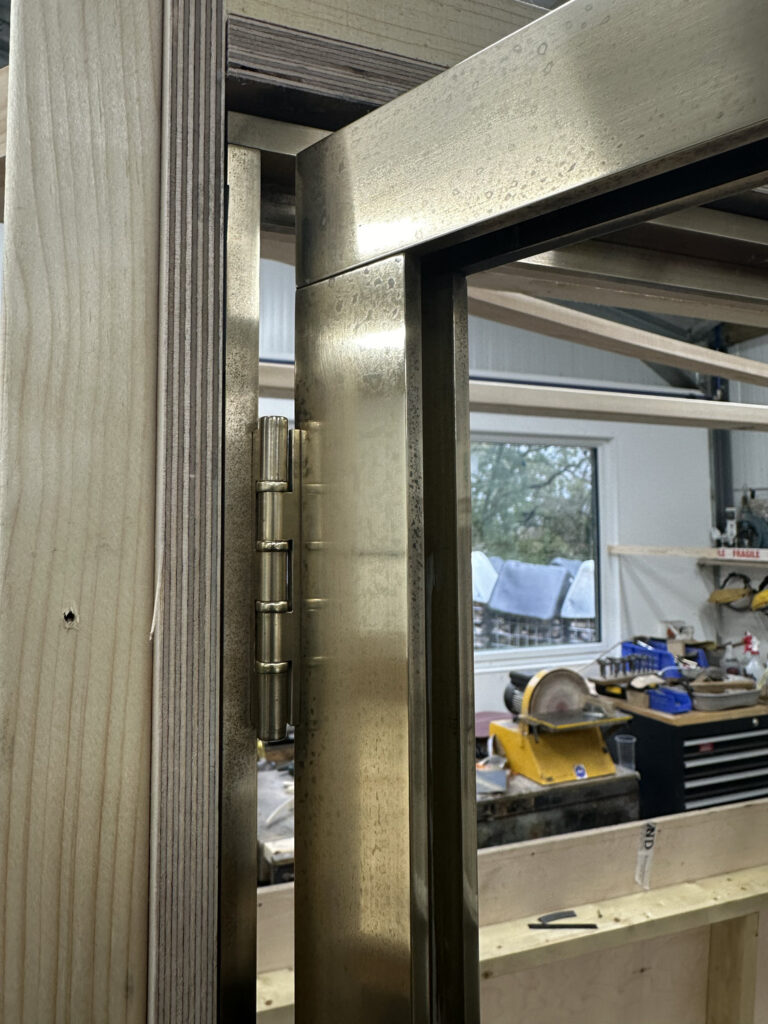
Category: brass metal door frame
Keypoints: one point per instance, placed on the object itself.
(587, 119)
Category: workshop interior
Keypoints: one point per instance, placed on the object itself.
(619, 598)
(384, 512)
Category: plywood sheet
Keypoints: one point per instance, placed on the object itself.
(440, 31)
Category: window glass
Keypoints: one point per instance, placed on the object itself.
(534, 540)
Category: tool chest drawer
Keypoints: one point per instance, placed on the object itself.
(697, 760)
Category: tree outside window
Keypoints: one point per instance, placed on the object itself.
(534, 539)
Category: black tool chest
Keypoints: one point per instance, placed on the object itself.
(686, 766)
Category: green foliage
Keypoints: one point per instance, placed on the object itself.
(533, 502)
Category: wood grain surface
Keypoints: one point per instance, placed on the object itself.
(294, 75)
(658, 981)
(78, 364)
(733, 969)
(440, 31)
(4, 73)
(184, 882)
(582, 867)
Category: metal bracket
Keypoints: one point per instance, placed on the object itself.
(277, 477)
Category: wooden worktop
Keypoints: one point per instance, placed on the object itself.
(696, 717)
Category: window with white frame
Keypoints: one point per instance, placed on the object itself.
(535, 529)
(538, 510)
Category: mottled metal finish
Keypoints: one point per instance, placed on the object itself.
(552, 134)
(361, 758)
(596, 96)
(453, 946)
(239, 742)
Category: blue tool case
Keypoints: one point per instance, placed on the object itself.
(673, 702)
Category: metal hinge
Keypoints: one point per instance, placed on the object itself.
(278, 577)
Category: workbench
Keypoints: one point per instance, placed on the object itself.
(699, 759)
(526, 810)
(531, 811)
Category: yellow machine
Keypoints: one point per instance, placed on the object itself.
(557, 736)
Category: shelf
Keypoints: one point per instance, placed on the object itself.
(512, 945)
(643, 915)
(704, 556)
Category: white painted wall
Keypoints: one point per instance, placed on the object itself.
(276, 311)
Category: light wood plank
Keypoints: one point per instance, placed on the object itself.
(274, 997)
(761, 987)
(536, 400)
(512, 945)
(271, 137)
(274, 948)
(700, 717)
(658, 551)
(688, 846)
(542, 875)
(661, 980)
(620, 275)
(78, 365)
(4, 72)
(542, 317)
(440, 31)
(733, 948)
(726, 906)
(4, 75)
(748, 557)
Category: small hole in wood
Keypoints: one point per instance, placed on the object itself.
(69, 617)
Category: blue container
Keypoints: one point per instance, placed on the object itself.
(659, 657)
(673, 702)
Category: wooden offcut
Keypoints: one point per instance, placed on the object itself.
(78, 368)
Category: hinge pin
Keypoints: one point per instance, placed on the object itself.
(277, 546)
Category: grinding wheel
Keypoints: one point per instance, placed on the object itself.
(555, 690)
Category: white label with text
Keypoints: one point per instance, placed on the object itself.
(645, 855)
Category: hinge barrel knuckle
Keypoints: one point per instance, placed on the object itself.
(272, 582)
(269, 515)
(273, 450)
(277, 538)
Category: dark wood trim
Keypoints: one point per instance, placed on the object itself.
(184, 896)
(290, 75)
